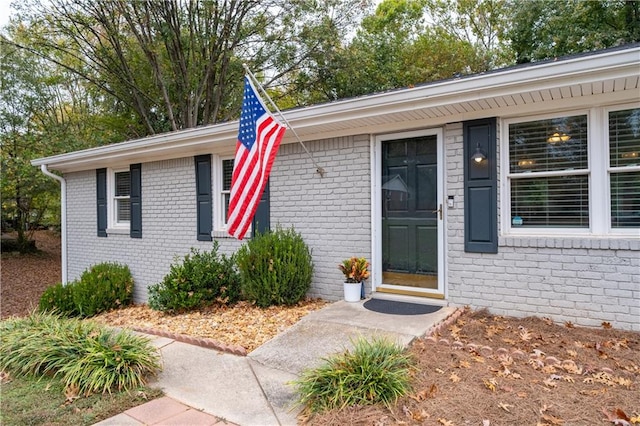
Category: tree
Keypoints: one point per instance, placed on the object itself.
(178, 64)
(544, 29)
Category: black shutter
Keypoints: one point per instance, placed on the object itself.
(135, 198)
(203, 196)
(480, 187)
(101, 198)
(261, 221)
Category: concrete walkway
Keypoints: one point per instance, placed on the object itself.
(207, 387)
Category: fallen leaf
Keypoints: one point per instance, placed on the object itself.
(439, 371)
(464, 364)
(454, 378)
(525, 334)
(505, 407)
(547, 320)
(445, 422)
(550, 383)
(552, 419)
(490, 384)
(606, 324)
(568, 324)
(572, 353)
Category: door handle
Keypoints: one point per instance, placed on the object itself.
(439, 211)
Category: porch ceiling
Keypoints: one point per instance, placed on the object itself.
(609, 77)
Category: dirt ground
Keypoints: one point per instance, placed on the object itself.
(24, 278)
(480, 369)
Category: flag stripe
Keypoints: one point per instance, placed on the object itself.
(259, 137)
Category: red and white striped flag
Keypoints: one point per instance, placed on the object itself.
(259, 137)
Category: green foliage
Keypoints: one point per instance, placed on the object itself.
(58, 298)
(87, 357)
(102, 287)
(542, 29)
(276, 268)
(201, 278)
(374, 371)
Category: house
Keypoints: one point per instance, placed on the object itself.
(517, 190)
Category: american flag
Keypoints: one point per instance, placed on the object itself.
(259, 137)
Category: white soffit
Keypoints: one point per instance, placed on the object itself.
(611, 76)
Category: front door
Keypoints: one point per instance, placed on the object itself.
(411, 214)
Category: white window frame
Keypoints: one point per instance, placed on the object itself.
(112, 205)
(598, 174)
(611, 170)
(219, 220)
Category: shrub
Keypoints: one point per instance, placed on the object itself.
(275, 268)
(201, 278)
(58, 298)
(102, 287)
(87, 357)
(374, 371)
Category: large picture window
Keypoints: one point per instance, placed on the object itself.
(576, 173)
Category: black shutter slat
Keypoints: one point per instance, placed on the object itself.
(261, 221)
(135, 197)
(101, 201)
(203, 197)
(480, 187)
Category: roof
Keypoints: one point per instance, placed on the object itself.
(611, 76)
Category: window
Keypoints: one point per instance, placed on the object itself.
(121, 198)
(227, 174)
(549, 174)
(576, 173)
(624, 161)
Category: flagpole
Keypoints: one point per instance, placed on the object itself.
(319, 169)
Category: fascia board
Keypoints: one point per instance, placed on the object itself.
(580, 70)
(537, 77)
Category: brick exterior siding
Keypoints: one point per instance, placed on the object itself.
(578, 279)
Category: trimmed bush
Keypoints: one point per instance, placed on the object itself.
(276, 268)
(87, 357)
(201, 278)
(373, 372)
(58, 298)
(100, 288)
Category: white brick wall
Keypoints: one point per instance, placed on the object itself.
(582, 280)
(331, 213)
(168, 224)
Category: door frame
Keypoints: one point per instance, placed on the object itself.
(376, 215)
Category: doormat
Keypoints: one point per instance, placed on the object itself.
(399, 308)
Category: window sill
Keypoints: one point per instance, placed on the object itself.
(599, 242)
(118, 231)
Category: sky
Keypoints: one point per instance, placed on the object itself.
(4, 12)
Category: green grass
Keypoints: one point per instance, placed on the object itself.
(29, 401)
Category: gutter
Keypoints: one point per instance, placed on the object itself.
(63, 217)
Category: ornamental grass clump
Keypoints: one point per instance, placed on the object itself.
(86, 357)
(376, 371)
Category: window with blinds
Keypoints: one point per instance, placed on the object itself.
(227, 174)
(549, 173)
(122, 195)
(624, 160)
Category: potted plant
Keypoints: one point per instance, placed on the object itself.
(355, 270)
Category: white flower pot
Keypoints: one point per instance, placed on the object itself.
(352, 292)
